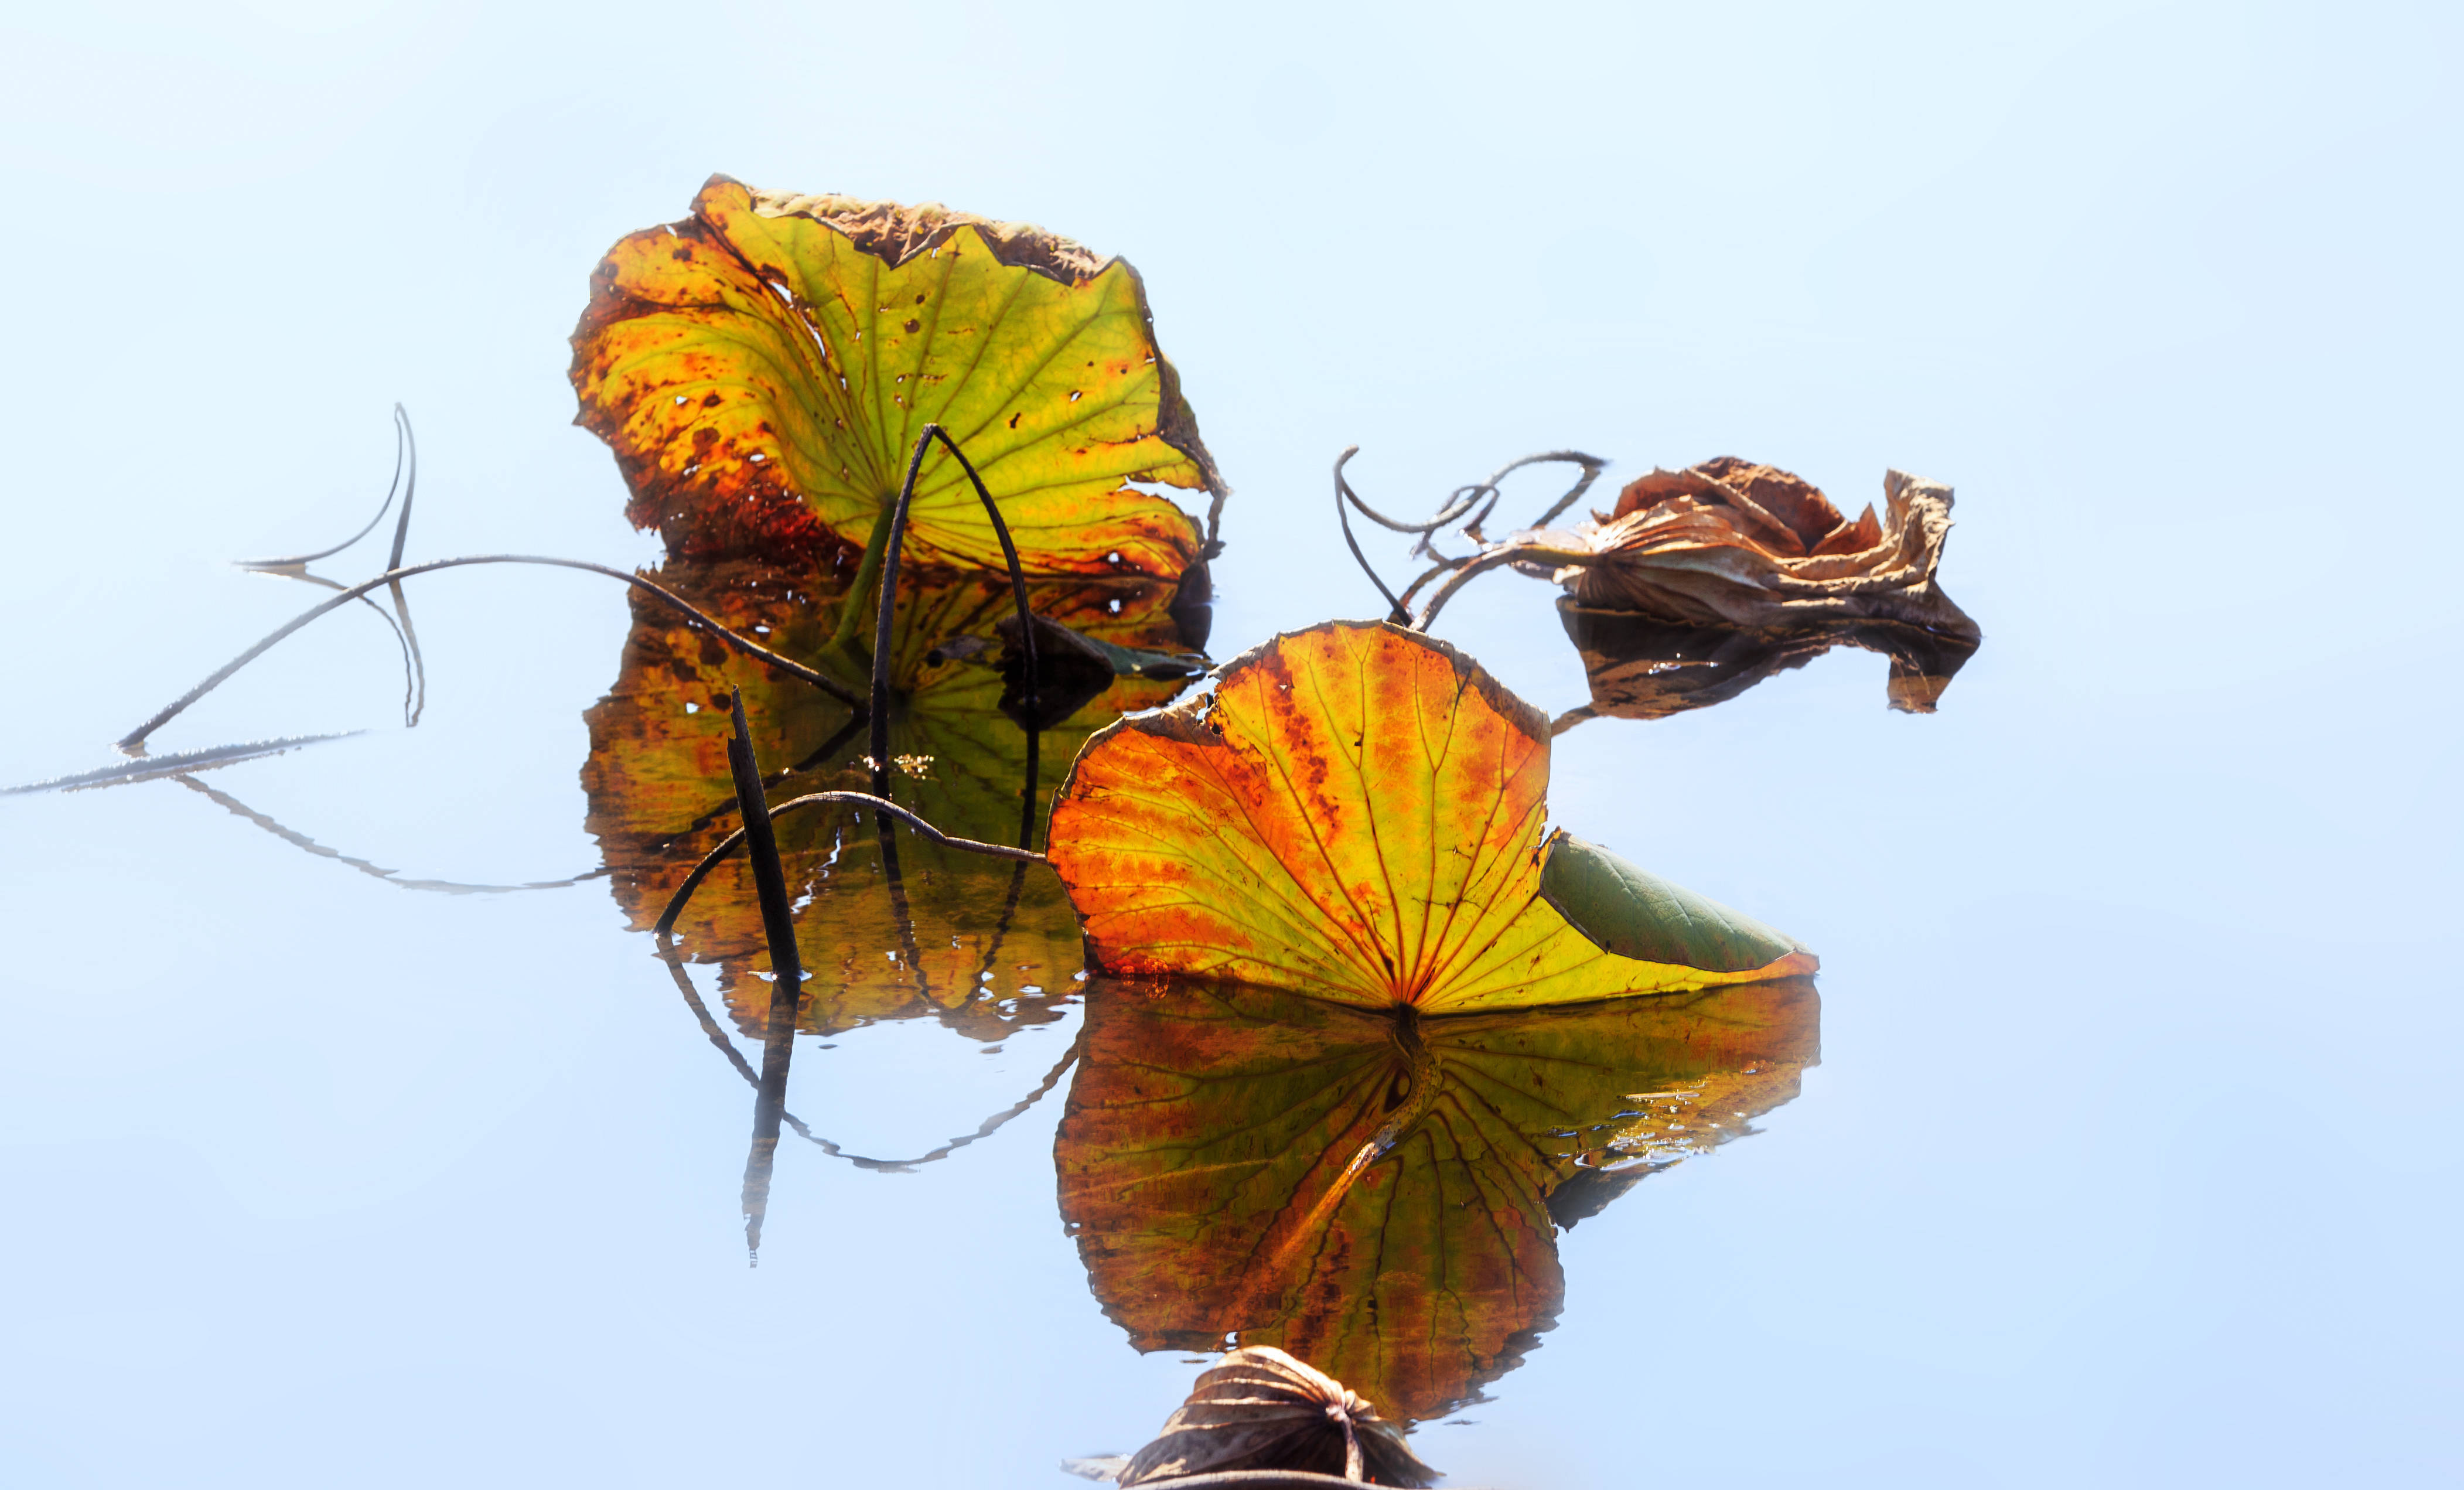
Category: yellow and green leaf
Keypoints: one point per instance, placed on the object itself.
(764, 368)
(1357, 813)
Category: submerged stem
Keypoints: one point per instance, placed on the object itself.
(777, 926)
(880, 806)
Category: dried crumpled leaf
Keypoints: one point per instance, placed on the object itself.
(1357, 812)
(1260, 1409)
(1209, 1153)
(1729, 542)
(763, 371)
(1642, 667)
(984, 945)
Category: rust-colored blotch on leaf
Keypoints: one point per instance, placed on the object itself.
(1357, 814)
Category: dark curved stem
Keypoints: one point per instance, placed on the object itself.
(1027, 793)
(1482, 495)
(1493, 558)
(1343, 493)
(880, 806)
(1441, 566)
(393, 489)
(1464, 500)
(911, 956)
(134, 739)
(717, 1035)
(788, 988)
(1592, 466)
(881, 632)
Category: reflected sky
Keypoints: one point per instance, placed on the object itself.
(2129, 1157)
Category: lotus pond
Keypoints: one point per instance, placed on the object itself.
(1663, 944)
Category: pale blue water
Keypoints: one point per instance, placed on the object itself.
(2130, 1155)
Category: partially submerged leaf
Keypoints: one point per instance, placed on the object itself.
(1729, 542)
(1260, 1409)
(1210, 1163)
(985, 946)
(764, 368)
(1356, 813)
(1642, 667)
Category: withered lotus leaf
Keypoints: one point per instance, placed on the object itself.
(763, 368)
(982, 945)
(1356, 813)
(1729, 542)
(1259, 1409)
(1377, 1191)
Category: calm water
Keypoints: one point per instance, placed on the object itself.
(2115, 1144)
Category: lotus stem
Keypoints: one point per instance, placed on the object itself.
(787, 991)
(134, 741)
(402, 448)
(880, 805)
(881, 634)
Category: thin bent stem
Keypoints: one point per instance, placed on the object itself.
(787, 991)
(880, 806)
(156, 767)
(1483, 496)
(718, 1036)
(881, 632)
(1502, 554)
(414, 670)
(134, 741)
(1343, 494)
(400, 449)
(911, 956)
(409, 489)
(414, 688)
(301, 841)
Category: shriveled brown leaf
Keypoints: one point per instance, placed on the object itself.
(1729, 542)
(1260, 1409)
(1642, 667)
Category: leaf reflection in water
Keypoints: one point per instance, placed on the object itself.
(1643, 667)
(985, 947)
(1219, 1163)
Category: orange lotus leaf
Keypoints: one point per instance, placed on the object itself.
(1357, 813)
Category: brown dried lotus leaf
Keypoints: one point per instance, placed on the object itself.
(1729, 543)
(1261, 1409)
